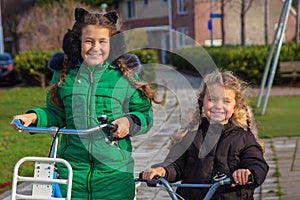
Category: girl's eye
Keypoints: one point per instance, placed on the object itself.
(226, 101)
(88, 41)
(211, 99)
(103, 41)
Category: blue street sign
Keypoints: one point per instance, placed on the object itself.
(209, 24)
(215, 15)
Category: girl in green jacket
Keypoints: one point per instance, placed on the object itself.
(87, 86)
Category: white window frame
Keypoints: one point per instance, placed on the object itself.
(131, 9)
(181, 9)
(182, 37)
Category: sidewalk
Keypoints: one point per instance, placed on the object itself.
(282, 154)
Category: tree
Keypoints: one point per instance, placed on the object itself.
(11, 14)
(296, 5)
(243, 6)
(43, 26)
(266, 25)
(93, 3)
(222, 21)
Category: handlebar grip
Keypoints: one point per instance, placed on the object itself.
(151, 183)
(115, 127)
(112, 127)
(19, 124)
(141, 175)
(250, 179)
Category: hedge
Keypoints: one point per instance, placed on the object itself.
(32, 65)
(248, 62)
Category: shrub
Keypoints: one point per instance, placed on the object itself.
(32, 65)
(148, 59)
(248, 62)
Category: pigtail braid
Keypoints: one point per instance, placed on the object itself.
(140, 85)
(54, 88)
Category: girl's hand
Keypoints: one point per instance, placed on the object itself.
(240, 177)
(123, 127)
(150, 173)
(26, 119)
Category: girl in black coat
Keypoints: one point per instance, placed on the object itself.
(221, 139)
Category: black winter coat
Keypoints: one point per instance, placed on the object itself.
(235, 149)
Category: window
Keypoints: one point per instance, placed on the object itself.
(165, 2)
(145, 2)
(182, 6)
(131, 9)
(182, 36)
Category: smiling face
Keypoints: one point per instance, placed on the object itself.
(219, 104)
(95, 44)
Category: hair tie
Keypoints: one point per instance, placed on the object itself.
(58, 84)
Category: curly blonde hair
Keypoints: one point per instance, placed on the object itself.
(242, 116)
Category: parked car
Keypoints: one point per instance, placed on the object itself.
(7, 73)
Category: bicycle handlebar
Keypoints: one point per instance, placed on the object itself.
(157, 180)
(57, 130)
(160, 181)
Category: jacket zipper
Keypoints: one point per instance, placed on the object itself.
(89, 107)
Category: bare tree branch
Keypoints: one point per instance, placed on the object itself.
(43, 27)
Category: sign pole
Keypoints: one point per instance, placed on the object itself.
(1, 32)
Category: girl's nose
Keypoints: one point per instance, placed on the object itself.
(96, 46)
(219, 104)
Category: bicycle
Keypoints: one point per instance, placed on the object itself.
(45, 182)
(219, 180)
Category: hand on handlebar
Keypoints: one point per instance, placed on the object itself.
(149, 174)
(26, 119)
(122, 127)
(240, 177)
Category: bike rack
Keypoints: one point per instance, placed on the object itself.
(42, 180)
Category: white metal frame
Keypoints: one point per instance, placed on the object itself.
(42, 179)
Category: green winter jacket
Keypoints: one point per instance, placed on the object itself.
(100, 171)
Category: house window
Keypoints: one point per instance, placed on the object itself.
(145, 2)
(131, 9)
(182, 37)
(182, 6)
(165, 2)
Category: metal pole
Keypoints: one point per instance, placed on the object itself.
(297, 21)
(287, 5)
(267, 67)
(211, 21)
(1, 32)
(170, 25)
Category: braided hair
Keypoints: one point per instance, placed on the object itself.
(72, 50)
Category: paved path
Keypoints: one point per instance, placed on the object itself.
(282, 154)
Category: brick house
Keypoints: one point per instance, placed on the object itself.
(191, 17)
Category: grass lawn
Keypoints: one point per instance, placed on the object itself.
(280, 119)
(15, 145)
